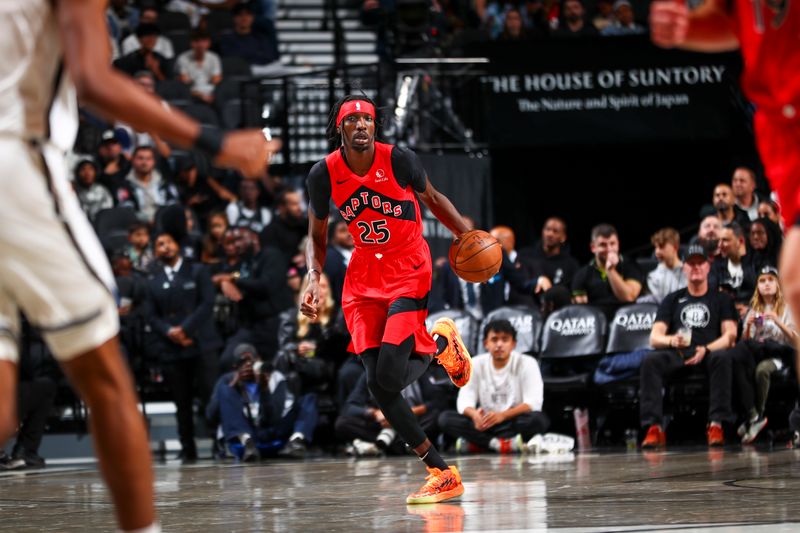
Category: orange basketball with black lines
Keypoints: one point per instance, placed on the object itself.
(476, 256)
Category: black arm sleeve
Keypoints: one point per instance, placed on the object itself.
(319, 189)
(407, 169)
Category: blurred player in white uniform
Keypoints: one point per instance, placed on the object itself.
(52, 266)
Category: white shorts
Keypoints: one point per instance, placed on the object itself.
(52, 266)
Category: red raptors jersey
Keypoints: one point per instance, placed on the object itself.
(379, 213)
(769, 35)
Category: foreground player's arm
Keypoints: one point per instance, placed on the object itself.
(443, 209)
(709, 28)
(115, 96)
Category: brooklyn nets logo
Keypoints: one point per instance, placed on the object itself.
(695, 316)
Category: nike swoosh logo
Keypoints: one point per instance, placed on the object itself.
(681, 300)
(419, 265)
(343, 181)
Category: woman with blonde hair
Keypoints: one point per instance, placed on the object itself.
(308, 353)
(766, 346)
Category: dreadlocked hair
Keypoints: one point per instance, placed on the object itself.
(334, 137)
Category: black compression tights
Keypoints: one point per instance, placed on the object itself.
(390, 369)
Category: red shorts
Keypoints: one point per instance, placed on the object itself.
(778, 142)
(385, 298)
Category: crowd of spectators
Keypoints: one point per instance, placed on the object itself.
(209, 267)
(450, 24)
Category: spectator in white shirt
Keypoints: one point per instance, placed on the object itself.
(668, 276)
(500, 409)
(200, 67)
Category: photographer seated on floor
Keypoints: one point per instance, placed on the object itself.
(257, 412)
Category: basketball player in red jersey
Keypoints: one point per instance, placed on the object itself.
(374, 187)
(767, 33)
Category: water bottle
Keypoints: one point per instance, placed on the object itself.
(631, 439)
(582, 429)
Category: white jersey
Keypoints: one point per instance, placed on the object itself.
(37, 101)
(52, 266)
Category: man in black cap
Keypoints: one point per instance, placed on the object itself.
(693, 325)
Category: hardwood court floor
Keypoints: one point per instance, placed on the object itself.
(689, 490)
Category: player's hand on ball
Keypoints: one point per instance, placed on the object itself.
(247, 151)
(669, 23)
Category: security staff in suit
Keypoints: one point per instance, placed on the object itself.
(180, 301)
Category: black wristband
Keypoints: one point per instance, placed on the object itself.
(209, 141)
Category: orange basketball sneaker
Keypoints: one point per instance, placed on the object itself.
(455, 358)
(440, 485)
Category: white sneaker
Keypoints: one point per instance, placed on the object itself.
(754, 429)
(385, 438)
(365, 449)
(551, 443)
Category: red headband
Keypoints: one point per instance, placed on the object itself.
(355, 106)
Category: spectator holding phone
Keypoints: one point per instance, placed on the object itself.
(766, 347)
(693, 328)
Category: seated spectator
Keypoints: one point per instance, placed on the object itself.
(309, 351)
(122, 18)
(743, 184)
(337, 257)
(247, 211)
(180, 305)
(139, 250)
(112, 162)
(537, 15)
(146, 57)
(131, 296)
(200, 67)
(766, 239)
(212, 241)
(198, 191)
(608, 281)
(734, 265)
(362, 424)
(573, 21)
(726, 209)
(145, 188)
(256, 410)
(514, 29)
(693, 326)
(148, 15)
(92, 196)
(605, 14)
(767, 345)
(146, 81)
(771, 210)
(550, 256)
(289, 227)
(518, 295)
(500, 409)
(255, 48)
(478, 299)
(257, 282)
(624, 23)
(668, 276)
(708, 234)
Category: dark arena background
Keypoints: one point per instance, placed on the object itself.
(519, 111)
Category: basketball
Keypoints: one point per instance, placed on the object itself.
(476, 256)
